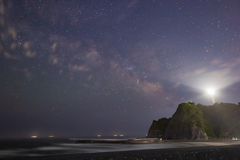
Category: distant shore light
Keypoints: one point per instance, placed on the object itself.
(121, 135)
(51, 136)
(99, 135)
(33, 136)
(115, 135)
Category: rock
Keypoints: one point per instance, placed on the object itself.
(186, 123)
(190, 121)
(158, 128)
(197, 134)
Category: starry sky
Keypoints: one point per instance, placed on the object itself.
(81, 68)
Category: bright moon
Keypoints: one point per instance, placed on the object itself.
(210, 91)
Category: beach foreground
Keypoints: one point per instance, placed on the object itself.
(199, 150)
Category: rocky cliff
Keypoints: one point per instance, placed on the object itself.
(192, 121)
(158, 128)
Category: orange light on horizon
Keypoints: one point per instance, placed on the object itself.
(51, 136)
(33, 136)
(115, 135)
(121, 135)
(99, 135)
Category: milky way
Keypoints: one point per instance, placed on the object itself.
(83, 68)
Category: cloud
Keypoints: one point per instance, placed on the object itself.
(231, 64)
(113, 64)
(13, 46)
(132, 3)
(200, 71)
(93, 55)
(150, 87)
(30, 54)
(54, 46)
(55, 60)
(177, 84)
(219, 74)
(216, 62)
(93, 58)
(26, 45)
(130, 80)
(89, 77)
(12, 33)
(63, 42)
(82, 68)
(2, 7)
(9, 56)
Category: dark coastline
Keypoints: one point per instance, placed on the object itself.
(193, 153)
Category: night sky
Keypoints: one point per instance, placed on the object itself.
(78, 68)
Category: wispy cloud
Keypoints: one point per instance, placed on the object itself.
(9, 56)
(82, 68)
(218, 73)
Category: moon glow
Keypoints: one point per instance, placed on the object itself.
(211, 91)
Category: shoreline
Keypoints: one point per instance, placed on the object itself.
(145, 140)
(121, 141)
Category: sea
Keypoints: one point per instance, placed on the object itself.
(44, 147)
(39, 147)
